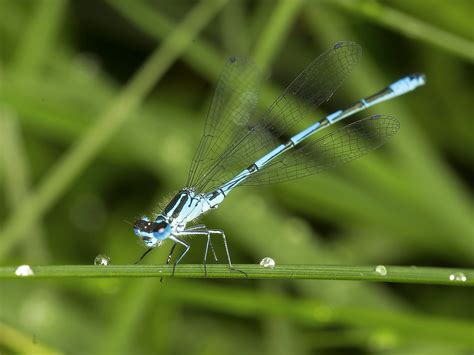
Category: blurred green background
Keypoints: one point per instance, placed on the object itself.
(83, 150)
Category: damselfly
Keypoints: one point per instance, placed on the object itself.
(243, 147)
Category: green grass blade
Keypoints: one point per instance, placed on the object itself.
(233, 28)
(409, 26)
(16, 167)
(200, 54)
(400, 274)
(22, 343)
(275, 31)
(37, 39)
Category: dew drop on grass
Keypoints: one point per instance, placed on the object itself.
(102, 260)
(268, 262)
(457, 276)
(381, 270)
(24, 270)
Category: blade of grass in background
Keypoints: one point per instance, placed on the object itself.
(279, 334)
(17, 179)
(21, 343)
(275, 32)
(234, 28)
(409, 26)
(39, 37)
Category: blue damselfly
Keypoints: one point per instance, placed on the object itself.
(241, 146)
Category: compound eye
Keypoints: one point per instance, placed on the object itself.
(160, 227)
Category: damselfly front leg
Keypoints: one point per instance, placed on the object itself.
(184, 244)
(143, 256)
(168, 259)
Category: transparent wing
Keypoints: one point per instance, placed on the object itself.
(261, 133)
(336, 148)
(233, 104)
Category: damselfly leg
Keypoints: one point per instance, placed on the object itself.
(143, 256)
(184, 244)
(208, 233)
(168, 259)
(202, 227)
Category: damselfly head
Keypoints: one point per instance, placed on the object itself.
(153, 233)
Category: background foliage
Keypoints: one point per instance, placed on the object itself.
(102, 105)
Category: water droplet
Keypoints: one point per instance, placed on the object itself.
(268, 262)
(457, 276)
(102, 260)
(24, 270)
(381, 270)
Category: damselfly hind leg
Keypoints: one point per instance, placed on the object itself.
(208, 244)
(203, 228)
(208, 232)
(204, 261)
(221, 232)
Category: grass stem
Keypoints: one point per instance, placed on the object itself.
(410, 26)
(400, 274)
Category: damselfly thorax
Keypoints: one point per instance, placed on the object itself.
(187, 205)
